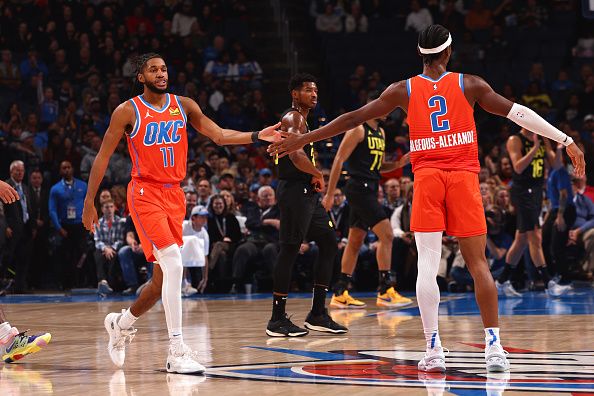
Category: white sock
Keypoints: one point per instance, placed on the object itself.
(492, 336)
(170, 261)
(429, 251)
(127, 320)
(432, 339)
(5, 333)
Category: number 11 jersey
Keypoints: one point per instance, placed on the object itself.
(441, 124)
(158, 143)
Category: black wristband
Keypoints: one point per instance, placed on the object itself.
(255, 136)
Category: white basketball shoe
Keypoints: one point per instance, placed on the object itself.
(118, 338)
(496, 359)
(181, 360)
(433, 361)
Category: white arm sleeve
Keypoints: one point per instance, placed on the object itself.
(527, 118)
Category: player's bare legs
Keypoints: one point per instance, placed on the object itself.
(383, 254)
(340, 296)
(351, 250)
(473, 252)
(150, 294)
(387, 294)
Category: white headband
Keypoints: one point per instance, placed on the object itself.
(436, 50)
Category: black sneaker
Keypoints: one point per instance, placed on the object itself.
(284, 328)
(324, 323)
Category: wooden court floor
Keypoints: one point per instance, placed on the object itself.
(550, 344)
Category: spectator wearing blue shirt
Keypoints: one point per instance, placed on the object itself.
(560, 219)
(582, 231)
(65, 207)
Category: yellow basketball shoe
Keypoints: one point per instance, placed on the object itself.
(345, 301)
(23, 345)
(392, 299)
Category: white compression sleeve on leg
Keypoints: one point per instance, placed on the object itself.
(527, 118)
(170, 261)
(429, 250)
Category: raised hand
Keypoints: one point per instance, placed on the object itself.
(289, 143)
(270, 134)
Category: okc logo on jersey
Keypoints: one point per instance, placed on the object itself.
(173, 111)
(163, 132)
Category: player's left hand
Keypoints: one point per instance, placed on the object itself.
(327, 202)
(577, 159)
(290, 143)
(318, 183)
(403, 161)
(270, 134)
(89, 216)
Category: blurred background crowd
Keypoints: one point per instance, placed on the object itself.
(66, 65)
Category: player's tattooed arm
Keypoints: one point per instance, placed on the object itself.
(122, 120)
(221, 136)
(394, 96)
(348, 144)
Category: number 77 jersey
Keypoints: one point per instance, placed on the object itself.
(441, 124)
(158, 143)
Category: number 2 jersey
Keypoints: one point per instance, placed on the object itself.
(158, 143)
(441, 124)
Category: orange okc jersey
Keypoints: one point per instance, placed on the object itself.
(441, 124)
(158, 144)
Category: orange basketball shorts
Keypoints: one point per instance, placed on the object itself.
(447, 200)
(158, 211)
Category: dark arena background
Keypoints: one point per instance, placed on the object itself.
(67, 65)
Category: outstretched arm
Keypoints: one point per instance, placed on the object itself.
(221, 136)
(122, 119)
(350, 141)
(478, 90)
(394, 96)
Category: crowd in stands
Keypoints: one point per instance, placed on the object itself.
(71, 64)
(556, 80)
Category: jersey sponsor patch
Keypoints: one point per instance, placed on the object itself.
(173, 110)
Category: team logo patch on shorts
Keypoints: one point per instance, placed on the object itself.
(531, 371)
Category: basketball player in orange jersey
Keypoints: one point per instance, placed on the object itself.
(154, 124)
(15, 345)
(444, 156)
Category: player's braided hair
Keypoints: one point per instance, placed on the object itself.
(139, 63)
(432, 37)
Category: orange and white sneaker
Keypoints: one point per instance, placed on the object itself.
(392, 299)
(346, 301)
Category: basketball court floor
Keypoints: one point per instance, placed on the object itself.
(550, 343)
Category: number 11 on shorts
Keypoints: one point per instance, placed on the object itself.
(168, 158)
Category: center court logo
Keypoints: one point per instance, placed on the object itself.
(531, 371)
